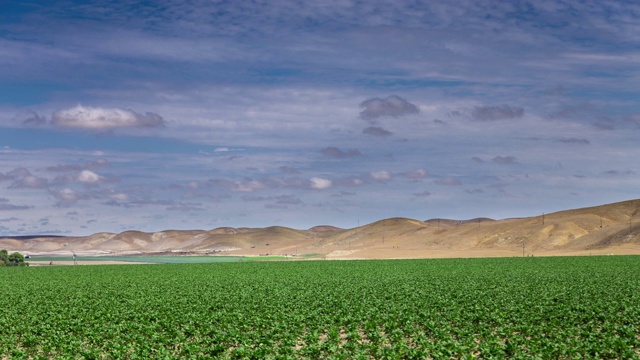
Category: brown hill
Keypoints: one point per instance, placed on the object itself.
(606, 229)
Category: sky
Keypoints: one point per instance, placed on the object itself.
(155, 115)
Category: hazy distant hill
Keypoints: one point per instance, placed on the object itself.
(606, 229)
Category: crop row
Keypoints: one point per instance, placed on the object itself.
(461, 308)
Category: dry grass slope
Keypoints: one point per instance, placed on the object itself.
(612, 228)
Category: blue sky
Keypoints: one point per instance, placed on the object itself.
(156, 115)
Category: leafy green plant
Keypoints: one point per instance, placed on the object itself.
(457, 308)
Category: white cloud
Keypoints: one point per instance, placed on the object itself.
(416, 174)
(34, 182)
(381, 175)
(89, 177)
(193, 185)
(97, 118)
(350, 181)
(66, 196)
(30, 182)
(119, 197)
(246, 185)
(320, 183)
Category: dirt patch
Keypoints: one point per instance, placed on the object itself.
(340, 254)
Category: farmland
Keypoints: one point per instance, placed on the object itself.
(153, 259)
(561, 307)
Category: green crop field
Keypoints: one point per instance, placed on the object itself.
(581, 307)
(155, 259)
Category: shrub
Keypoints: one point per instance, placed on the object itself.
(15, 259)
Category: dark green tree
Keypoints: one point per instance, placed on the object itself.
(4, 257)
(15, 259)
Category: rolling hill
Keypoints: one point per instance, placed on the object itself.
(606, 229)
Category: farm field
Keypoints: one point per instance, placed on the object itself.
(153, 259)
(43, 260)
(557, 307)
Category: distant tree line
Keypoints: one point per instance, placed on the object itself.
(15, 259)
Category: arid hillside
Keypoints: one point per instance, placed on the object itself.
(606, 229)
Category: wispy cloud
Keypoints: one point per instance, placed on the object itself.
(5, 205)
(422, 194)
(449, 181)
(30, 182)
(96, 164)
(491, 113)
(505, 160)
(23, 179)
(376, 131)
(186, 207)
(380, 175)
(245, 185)
(32, 118)
(574, 141)
(335, 152)
(96, 118)
(416, 174)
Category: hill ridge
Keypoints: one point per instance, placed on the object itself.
(609, 228)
